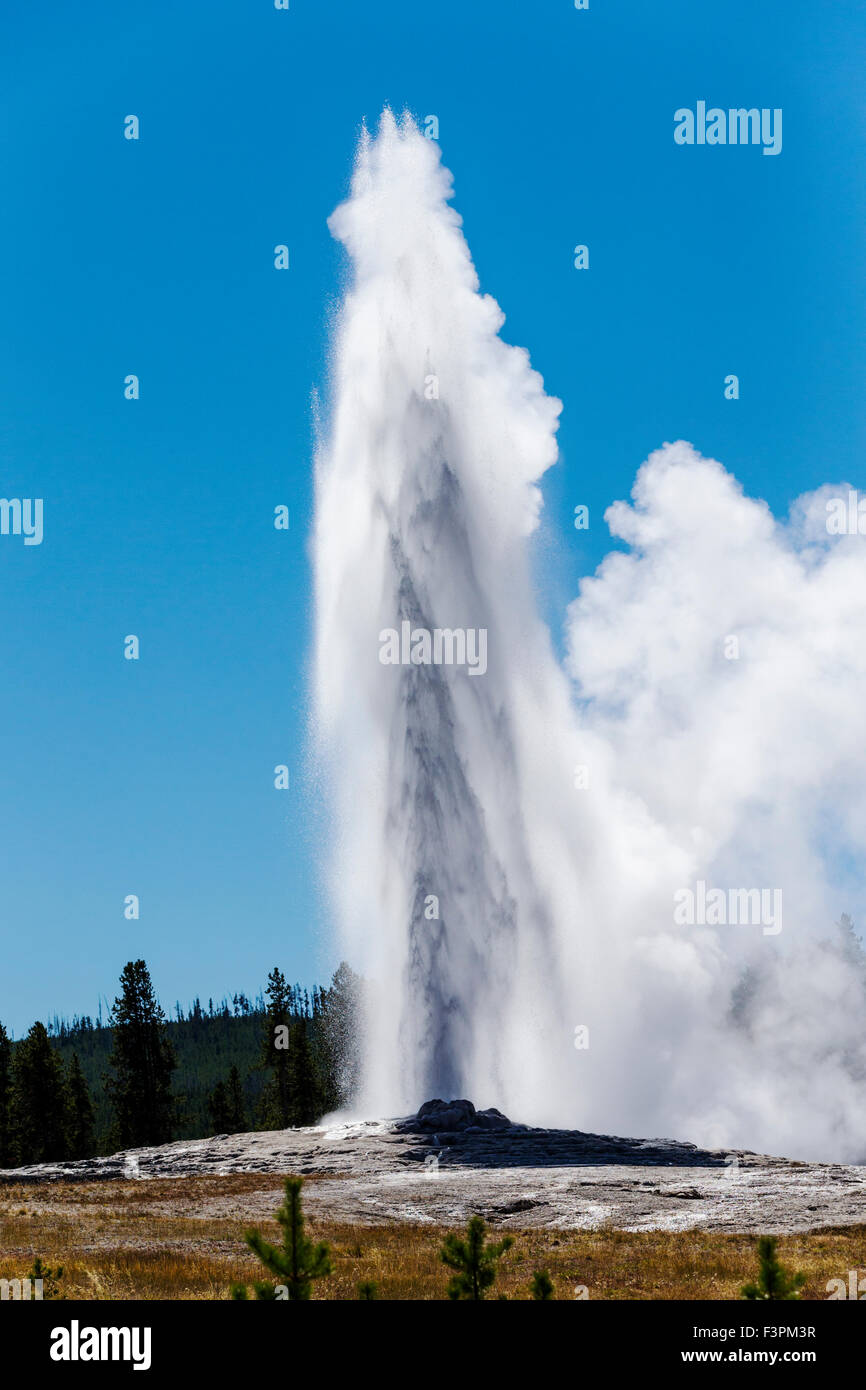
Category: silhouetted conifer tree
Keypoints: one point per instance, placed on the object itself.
(305, 1106)
(276, 1107)
(237, 1111)
(218, 1109)
(79, 1108)
(226, 1105)
(38, 1100)
(143, 1061)
(6, 1153)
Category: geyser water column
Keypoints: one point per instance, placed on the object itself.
(426, 495)
(502, 915)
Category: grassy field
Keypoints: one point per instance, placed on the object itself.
(183, 1239)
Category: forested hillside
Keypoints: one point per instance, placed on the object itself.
(83, 1087)
(206, 1045)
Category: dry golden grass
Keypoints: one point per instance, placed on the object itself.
(183, 1239)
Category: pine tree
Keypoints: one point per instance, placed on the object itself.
(298, 1261)
(6, 1153)
(50, 1277)
(304, 1093)
(38, 1100)
(474, 1261)
(218, 1109)
(79, 1108)
(368, 1292)
(226, 1105)
(275, 1109)
(237, 1113)
(143, 1060)
(774, 1281)
(541, 1288)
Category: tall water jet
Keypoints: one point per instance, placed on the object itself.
(425, 497)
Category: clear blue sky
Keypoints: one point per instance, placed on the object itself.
(156, 258)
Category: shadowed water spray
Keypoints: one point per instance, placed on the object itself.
(426, 494)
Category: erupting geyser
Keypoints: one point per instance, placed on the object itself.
(505, 913)
(426, 497)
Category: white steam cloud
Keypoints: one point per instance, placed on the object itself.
(713, 693)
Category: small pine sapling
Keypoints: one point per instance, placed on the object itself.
(473, 1259)
(541, 1287)
(297, 1262)
(774, 1281)
(50, 1278)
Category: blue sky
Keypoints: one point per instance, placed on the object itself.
(155, 257)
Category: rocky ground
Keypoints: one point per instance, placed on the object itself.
(450, 1161)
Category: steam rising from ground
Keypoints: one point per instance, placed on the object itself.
(555, 904)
